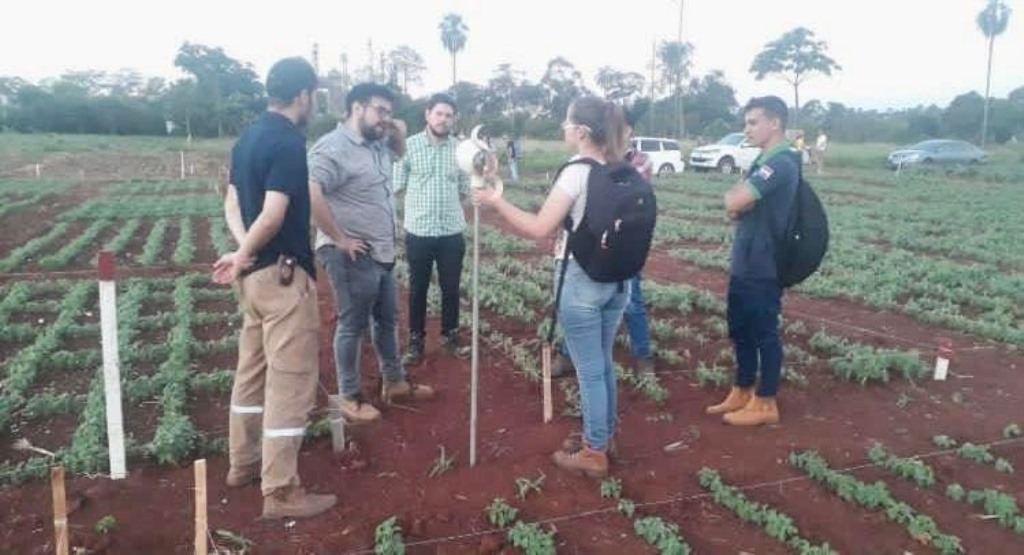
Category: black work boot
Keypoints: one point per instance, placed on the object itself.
(454, 347)
(414, 355)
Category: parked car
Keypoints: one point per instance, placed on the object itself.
(732, 152)
(936, 151)
(665, 154)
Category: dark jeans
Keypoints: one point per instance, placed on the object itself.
(365, 293)
(753, 313)
(422, 252)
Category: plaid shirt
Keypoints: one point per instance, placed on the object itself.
(433, 184)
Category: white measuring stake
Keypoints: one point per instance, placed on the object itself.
(942, 362)
(546, 375)
(111, 366)
(37, 171)
(182, 154)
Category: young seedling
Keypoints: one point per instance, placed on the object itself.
(531, 539)
(1011, 431)
(105, 525)
(944, 442)
(388, 538)
(611, 488)
(525, 485)
(500, 513)
(442, 464)
(239, 543)
(627, 507)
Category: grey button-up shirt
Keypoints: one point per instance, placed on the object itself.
(355, 176)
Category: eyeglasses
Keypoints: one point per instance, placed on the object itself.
(569, 125)
(382, 111)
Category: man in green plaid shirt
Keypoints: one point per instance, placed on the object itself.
(434, 223)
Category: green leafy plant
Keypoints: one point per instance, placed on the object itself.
(714, 376)
(662, 536)
(627, 507)
(1011, 431)
(105, 525)
(913, 470)
(944, 442)
(611, 488)
(239, 543)
(531, 539)
(500, 513)
(388, 538)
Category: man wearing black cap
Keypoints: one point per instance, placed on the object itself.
(268, 211)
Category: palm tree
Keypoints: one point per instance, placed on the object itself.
(453, 37)
(992, 21)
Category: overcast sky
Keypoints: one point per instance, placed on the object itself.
(894, 53)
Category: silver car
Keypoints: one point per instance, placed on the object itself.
(936, 151)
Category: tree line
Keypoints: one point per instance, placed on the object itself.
(221, 95)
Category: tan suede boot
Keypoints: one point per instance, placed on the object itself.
(243, 475)
(737, 399)
(294, 502)
(586, 461)
(760, 410)
(405, 390)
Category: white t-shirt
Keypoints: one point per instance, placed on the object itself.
(822, 142)
(573, 182)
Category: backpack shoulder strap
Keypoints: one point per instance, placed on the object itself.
(585, 161)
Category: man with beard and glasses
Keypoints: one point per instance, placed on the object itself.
(354, 211)
(434, 223)
(267, 210)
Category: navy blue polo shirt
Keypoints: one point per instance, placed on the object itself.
(271, 156)
(772, 179)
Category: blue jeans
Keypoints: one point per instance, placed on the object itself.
(364, 291)
(636, 320)
(513, 169)
(753, 314)
(590, 313)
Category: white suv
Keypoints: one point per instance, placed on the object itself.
(665, 155)
(730, 153)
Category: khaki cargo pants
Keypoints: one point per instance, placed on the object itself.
(275, 383)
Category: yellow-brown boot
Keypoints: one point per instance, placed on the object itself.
(737, 399)
(583, 460)
(760, 410)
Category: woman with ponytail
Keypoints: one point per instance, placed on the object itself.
(589, 311)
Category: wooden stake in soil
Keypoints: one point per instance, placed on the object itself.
(545, 356)
(202, 529)
(38, 174)
(942, 360)
(111, 366)
(60, 510)
(181, 153)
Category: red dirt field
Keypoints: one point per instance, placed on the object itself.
(385, 473)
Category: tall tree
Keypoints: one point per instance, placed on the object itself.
(408, 65)
(794, 57)
(453, 37)
(992, 22)
(674, 60)
(619, 86)
(226, 82)
(563, 83)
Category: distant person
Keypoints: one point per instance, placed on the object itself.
(760, 205)
(434, 225)
(589, 311)
(512, 153)
(353, 203)
(820, 147)
(267, 208)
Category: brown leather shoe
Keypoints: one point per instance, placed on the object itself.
(243, 475)
(575, 442)
(404, 390)
(585, 461)
(294, 502)
(760, 410)
(736, 400)
(357, 411)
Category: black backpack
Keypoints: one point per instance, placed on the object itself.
(613, 238)
(804, 242)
